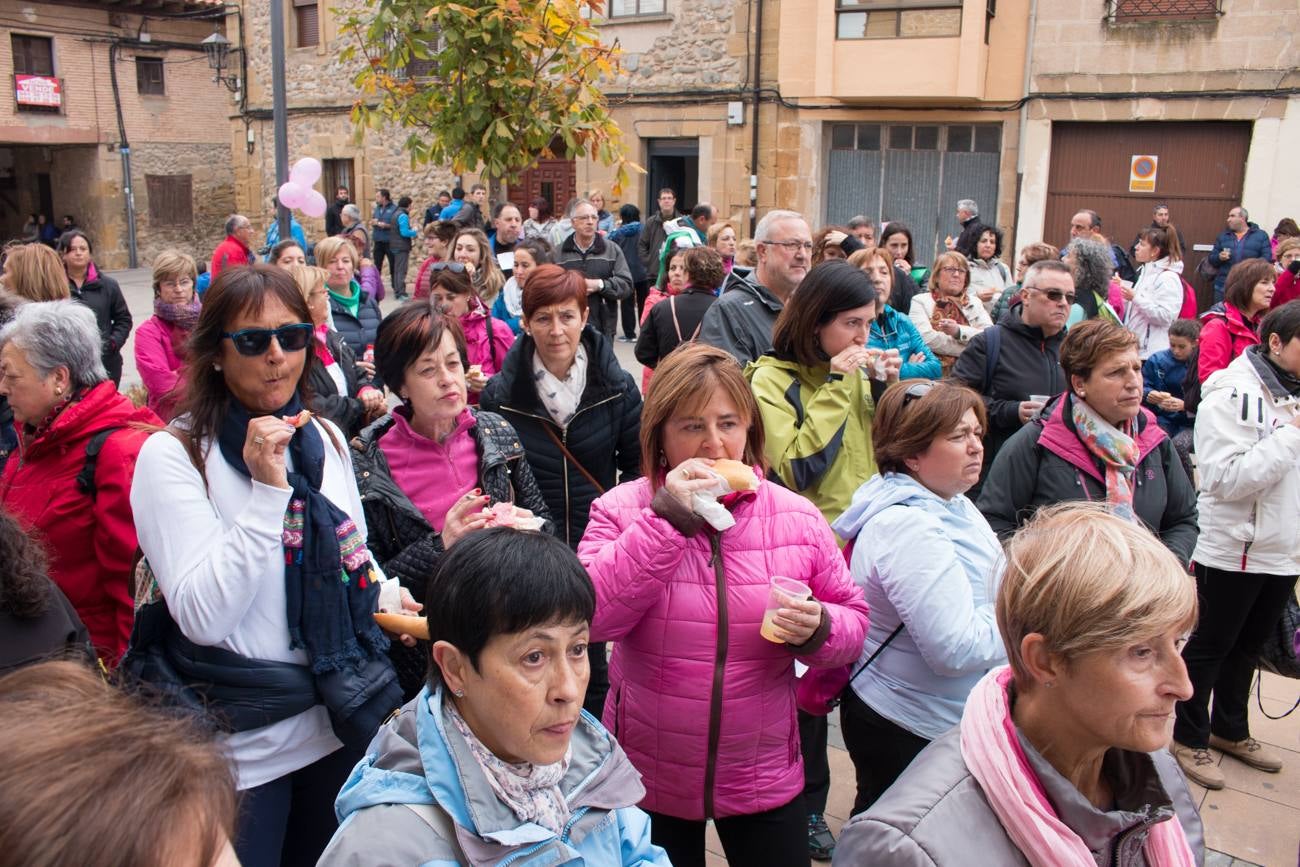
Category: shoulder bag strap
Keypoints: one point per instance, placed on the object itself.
(872, 657)
(677, 326)
(600, 489)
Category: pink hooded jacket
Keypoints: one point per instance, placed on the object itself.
(159, 357)
(703, 704)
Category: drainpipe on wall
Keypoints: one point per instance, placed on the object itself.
(279, 112)
(124, 148)
(753, 120)
(1024, 109)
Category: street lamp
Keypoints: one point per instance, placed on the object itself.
(217, 48)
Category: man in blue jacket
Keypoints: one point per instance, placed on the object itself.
(1242, 240)
(383, 224)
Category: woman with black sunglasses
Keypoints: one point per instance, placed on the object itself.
(250, 521)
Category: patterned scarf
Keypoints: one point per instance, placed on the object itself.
(183, 316)
(561, 396)
(329, 581)
(532, 792)
(1117, 450)
(947, 307)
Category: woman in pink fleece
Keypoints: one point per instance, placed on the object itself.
(703, 704)
(487, 339)
(160, 339)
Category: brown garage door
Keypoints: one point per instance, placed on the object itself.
(1200, 175)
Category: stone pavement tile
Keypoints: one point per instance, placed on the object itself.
(712, 843)
(1282, 788)
(1285, 732)
(843, 787)
(1250, 828)
(1280, 688)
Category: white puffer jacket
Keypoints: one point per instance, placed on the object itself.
(1157, 300)
(1249, 457)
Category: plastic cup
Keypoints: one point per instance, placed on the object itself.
(1040, 399)
(780, 592)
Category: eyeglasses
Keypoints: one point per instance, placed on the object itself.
(256, 341)
(183, 283)
(453, 267)
(916, 391)
(792, 246)
(583, 217)
(1055, 295)
(952, 270)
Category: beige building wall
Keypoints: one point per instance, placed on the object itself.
(1245, 58)
(178, 133)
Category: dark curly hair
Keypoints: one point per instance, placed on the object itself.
(24, 580)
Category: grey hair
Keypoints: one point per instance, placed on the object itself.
(234, 221)
(970, 206)
(581, 200)
(1245, 215)
(352, 211)
(54, 334)
(764, 229)
(1093, 265)
(859, 221)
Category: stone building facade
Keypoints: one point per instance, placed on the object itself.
(319, 94)
(67, 159)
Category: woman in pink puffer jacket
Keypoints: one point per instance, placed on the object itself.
(701, 702)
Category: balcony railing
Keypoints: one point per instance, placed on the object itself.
(1163, 10)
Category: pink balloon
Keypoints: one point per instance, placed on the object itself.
(313, 204)
(292, 195)
(305, 172)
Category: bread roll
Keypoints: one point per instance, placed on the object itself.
(403, 624)
(739, 476)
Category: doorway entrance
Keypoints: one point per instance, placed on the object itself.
(672, 163)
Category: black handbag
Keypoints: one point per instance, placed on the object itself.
(1278, 654)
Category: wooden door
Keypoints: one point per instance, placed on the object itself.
(554, 180)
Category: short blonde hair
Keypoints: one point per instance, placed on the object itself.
(716, 230)
(308, 277)
(35, 272)
(174, 264)
(747, 253)
(328, 248)
(1088, 581)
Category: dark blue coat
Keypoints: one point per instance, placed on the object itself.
(1255, 244)
(1162, 372)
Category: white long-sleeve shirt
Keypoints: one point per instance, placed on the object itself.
(219, 560)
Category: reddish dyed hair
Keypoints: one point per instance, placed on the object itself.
(551, 286)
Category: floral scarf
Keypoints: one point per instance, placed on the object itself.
(532, 792)
(1118, 451)
(561, 396)
(947, 307)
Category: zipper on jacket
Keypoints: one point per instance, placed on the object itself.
(568, 507)
(563, 838)
(719, 667)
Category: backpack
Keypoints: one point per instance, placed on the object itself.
(1188, 310)
(86, 478)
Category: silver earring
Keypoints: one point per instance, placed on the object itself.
(1049, 684)
(459, 693)
(217, 367)
(663, 459)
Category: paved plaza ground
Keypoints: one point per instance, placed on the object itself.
(1255, 820)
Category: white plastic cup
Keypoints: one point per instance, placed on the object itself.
(781, 591)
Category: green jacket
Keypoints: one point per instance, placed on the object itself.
(817, 428)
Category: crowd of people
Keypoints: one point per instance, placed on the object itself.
(448, 585)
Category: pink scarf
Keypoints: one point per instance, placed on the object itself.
(992, 752)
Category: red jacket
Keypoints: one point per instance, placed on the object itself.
(1224, 336)
(229, 253)
(1287, 289)
(90, 544)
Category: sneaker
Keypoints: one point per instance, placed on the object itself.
(627, 340)
(1199, 765)
(821, 842)
(1250, 751)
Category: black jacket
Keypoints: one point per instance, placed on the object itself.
(400, 539)
(900, 295)
(1027, 363)
(658, 333)
(334, 217)
(104, 296)
(604, 436)
(357, 331)
(55, 633)
(602, 261)
(345, 410)
(1046, 463)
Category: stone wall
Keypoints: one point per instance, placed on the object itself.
(212, 195)
(698, 45)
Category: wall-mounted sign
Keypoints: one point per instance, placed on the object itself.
(38, 90)
(1142, 173)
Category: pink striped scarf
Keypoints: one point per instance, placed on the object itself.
(992, 752)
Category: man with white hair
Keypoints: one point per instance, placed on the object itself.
(741, 321)
(968, 214)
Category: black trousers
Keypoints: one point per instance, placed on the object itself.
(1238, 609)
(400, 259)
(289, 821)
(381, 252)
(604, 315)
(630, 307)
(816, 766)
(775, 838)
(880, 749)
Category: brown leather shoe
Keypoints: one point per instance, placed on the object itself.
(1199, 765)
(1250, 751)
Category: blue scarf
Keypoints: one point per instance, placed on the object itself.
(329, 582)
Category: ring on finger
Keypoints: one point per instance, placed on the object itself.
(258, 440)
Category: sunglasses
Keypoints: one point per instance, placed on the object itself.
(916, 391)
(256, 341)
(1055, 295)
(453, 267)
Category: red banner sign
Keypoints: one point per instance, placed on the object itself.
(40, 90)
